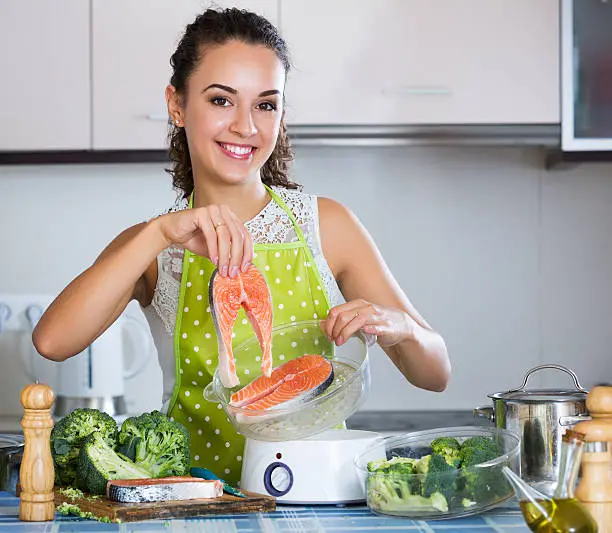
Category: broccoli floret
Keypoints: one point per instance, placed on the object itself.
(479, 441)
(67, 509)
(391, 494)
(481, 484)
(72, 493)
(468, 503)
(478, 450)
(422, 465)
(68, 435)
(98, 463)
(447, 447)
(156, 443)
(441, 477)
(396, 465)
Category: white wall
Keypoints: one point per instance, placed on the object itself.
(511, 263)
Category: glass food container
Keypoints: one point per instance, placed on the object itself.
(411, 483)
(298, 420)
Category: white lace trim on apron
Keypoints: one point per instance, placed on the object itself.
(271, 226)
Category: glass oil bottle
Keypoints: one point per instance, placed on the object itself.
(562, 513)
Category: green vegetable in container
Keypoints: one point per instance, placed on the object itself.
(448, 477)
(481, 484)
(441, 477)
(447, 447)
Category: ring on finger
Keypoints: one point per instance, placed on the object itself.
(219, 224)
(356, 315)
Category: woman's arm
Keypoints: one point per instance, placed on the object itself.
(376, 303)
(95, 298)
(127, 269)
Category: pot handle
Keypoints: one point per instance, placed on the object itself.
(552, 366)
(573, 420)
(485, 411)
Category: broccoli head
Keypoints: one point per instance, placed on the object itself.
(69, 434)
(393, 495)
(440, 477)
(476, 450)
(447, 447)
(480, 442)
(156, 443)
(395, 465)
(99, 463)
(482, 484)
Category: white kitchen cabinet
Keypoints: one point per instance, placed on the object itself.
(132, 44)
(422, 61)
(45, 89)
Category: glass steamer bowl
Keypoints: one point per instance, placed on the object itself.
(297, 420)
(398, 494)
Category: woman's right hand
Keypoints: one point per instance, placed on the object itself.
(214, 232)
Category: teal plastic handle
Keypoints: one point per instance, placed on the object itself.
(204, 473)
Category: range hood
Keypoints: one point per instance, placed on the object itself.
(538, 135)
(543, 135)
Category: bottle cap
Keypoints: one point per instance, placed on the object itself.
(573, 436)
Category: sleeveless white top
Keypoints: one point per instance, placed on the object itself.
(271, 225)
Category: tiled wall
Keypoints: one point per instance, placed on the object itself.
(512, 263)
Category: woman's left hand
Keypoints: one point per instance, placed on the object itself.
(391, 326)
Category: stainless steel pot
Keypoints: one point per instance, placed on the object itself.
(539, 417)
(11, 453)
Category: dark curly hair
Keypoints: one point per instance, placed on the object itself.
(216, 27)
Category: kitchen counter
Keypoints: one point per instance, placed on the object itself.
(381, 421)
(503, 519)
(407, 421)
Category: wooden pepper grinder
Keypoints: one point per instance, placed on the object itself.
(595, 487)
(36, 474)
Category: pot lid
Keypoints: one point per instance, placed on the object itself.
(8, 440)
(541, 395)
(544, 395)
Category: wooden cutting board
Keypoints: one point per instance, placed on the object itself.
(131, 512)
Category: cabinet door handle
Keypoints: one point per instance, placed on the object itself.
(411, 90)
(158, 117)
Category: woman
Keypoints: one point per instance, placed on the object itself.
(230, 155)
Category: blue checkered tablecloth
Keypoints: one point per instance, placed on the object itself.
(286, 519)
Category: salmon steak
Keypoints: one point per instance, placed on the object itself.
(298, 380)
(250, 291)
(162, 489)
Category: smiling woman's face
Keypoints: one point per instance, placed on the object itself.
(233, 111)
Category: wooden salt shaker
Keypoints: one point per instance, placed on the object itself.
(595, 487)
(36, 474)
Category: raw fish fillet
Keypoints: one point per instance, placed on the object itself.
(227, 295)
(299, 379)
(162, 489)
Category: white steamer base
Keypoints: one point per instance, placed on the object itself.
(315, 470)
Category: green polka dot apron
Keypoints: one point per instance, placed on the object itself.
(297, 293)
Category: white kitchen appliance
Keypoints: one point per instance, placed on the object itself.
(314, 470)
(95, 377)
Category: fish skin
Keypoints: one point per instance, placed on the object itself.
(289, 383)
(249, 290)
(162, 489)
